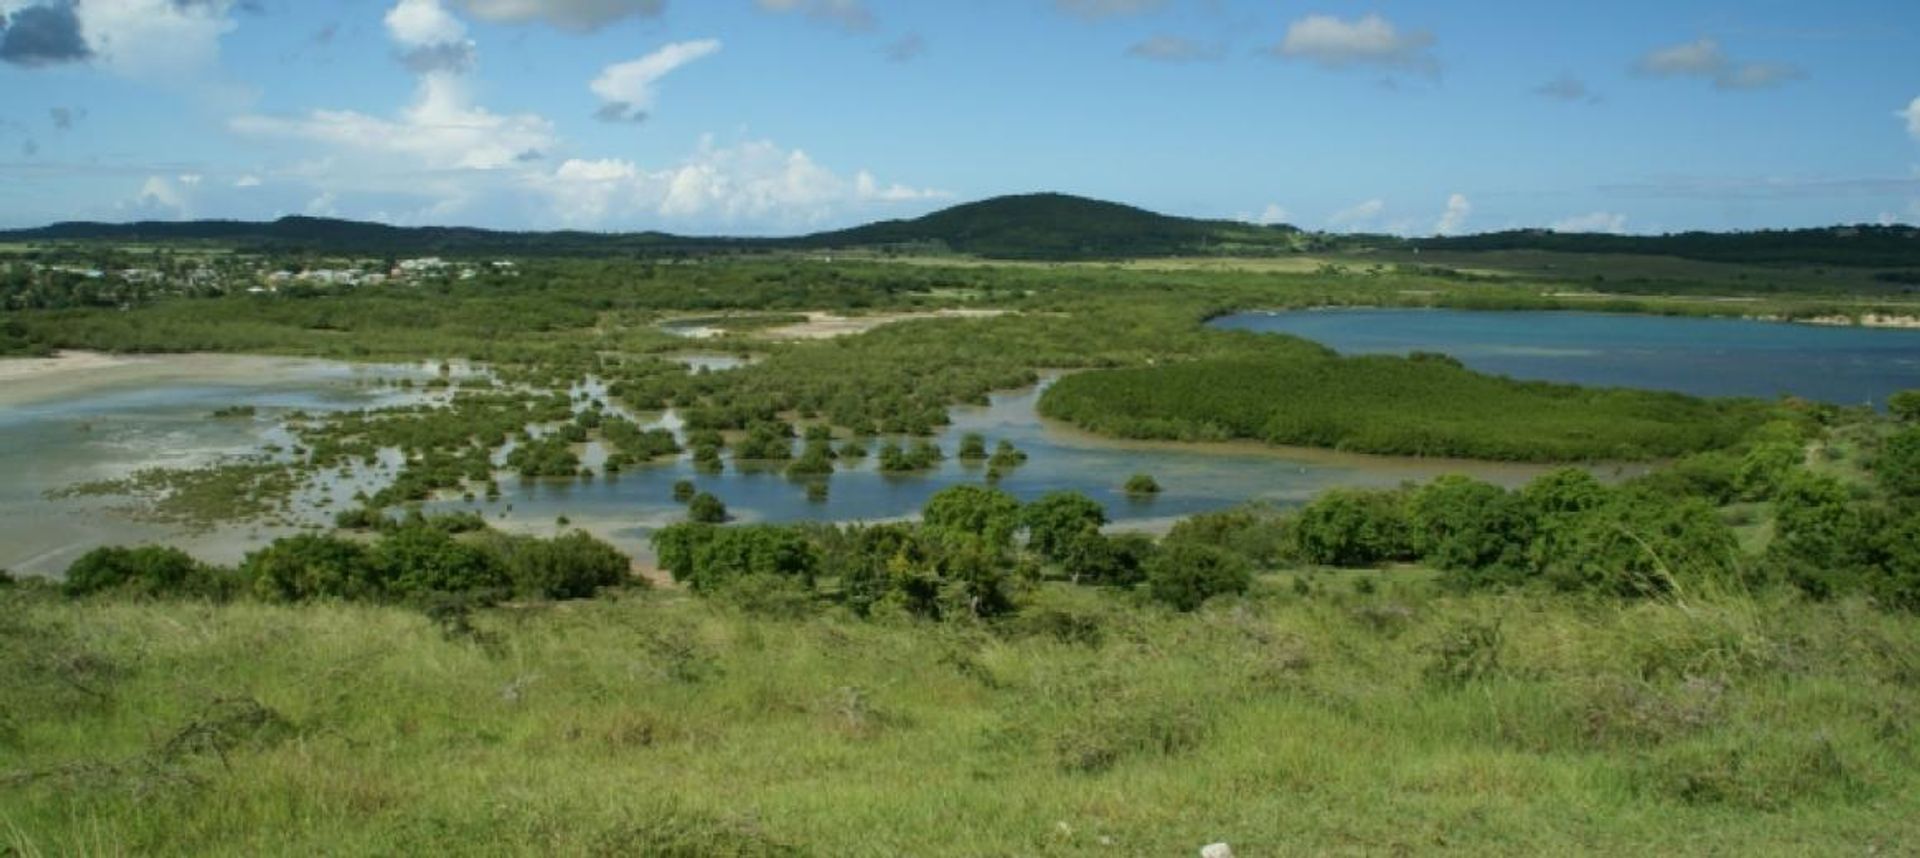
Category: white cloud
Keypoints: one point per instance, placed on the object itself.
(627, 90)
(323, 205)
(248, 181)
(1358, 215)
(847, 14)
(1912, 115)
(1367, 41)
(1273, 214)
(575, 15)
(439, 131)
(423, 23)
(1704, 58)
(755, 182)
(145, 38)
(159, 197)
(430, 37)
(1455, 217)
(1607, 222)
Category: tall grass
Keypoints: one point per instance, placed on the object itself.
(1341, 719)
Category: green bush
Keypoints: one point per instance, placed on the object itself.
(1905, 405)
(1897, 465)
(1185, 575)
(415, 563)
(1141, 485)
(307, 567)
(1477, 532)
(704, 508)
(967, 512)
(705, 557)
(149, 570)
(573, 566)
(1119, 560)
(1058, 518)
(1351, 528)
(1644, 544)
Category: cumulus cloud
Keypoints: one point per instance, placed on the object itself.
(1367, 41)
(575, 15)
(159, 197)
(1095, 9)
(1912, 116)
(146, 38)
(1569, 89)
(441, 130)
(1454, 218)
(1705, 59)
(44, 35)
(850, 15)
(1592, 222)
(247, 181)
(1357, 215)
(752, 182)
(1272, 215)
(431, 39)
(627, 90)
(1175, 49)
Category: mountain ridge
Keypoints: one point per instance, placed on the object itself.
(1037, 226)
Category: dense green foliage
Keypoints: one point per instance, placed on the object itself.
(1062, 227)
(1393, 405)
(1863, 246)
(143, 571)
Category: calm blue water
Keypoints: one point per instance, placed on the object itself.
(1705, 357)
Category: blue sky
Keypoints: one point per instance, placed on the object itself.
(781, 116)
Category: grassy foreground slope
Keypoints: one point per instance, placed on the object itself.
(1311, 719)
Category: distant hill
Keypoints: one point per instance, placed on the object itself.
(1060, 226)
(1853, 246)
(1026, 227)
(1034, 226)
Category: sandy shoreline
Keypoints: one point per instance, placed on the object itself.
(1865, 320)
(823, 326)
(62, 363)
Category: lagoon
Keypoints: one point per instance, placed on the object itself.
(156, 411)
(1702, 356)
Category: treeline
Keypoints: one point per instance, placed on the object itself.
(1857, 246)
(975, 553)
(1664, 534)
(1423, 405)
(423, 562)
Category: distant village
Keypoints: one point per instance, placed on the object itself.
(26, 282)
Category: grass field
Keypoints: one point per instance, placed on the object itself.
(1326, 713)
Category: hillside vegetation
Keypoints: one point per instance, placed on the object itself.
(1425, 405)
(1063, 227)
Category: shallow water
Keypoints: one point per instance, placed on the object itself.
(107, 426)
(63, 429)
(1701, 356)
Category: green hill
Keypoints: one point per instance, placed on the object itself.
(1033, 226)
(1060, 226)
